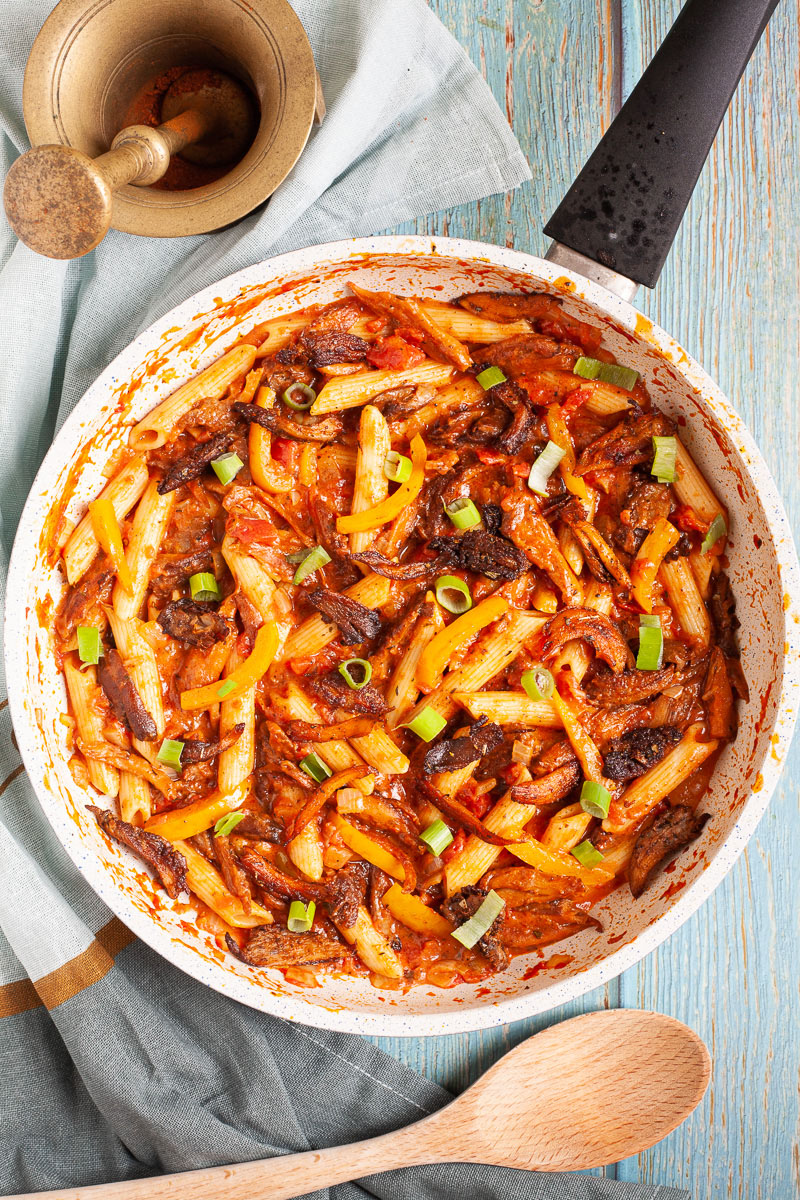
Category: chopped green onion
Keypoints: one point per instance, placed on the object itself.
(481, 921)
(665, 451)
(313, 765)
(427, 724)
(543, 466)
(595, 799)
(227, 467)
(490, 378)
(312, 560)
(592, 368)
(299, 389)
(90, 647)
(587, 854)
(204, 586)
(463, 513)
(437, 837)
(538, 683)
(396, 467)
(301, 916)
(651, 644)
(362, 676)
(716, 530)
(225, 825)
(225, 688)
(453, 594)
(170, 754)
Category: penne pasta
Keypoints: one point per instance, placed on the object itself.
(305, 851)
(82, 689)
(149, 525)
(685, 599)
(379, 751)
(316, 633)
(350, 391)
(208, 885)
(468, 328)
(210, 384)
(293, 703)
(123, 491)
(371, 484)
(140, 663)
(510, 708)
(630, 809)
(251, 576)
(237, 762)
(372, 947)
(691, 487)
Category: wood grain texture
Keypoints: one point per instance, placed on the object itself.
(729, 295)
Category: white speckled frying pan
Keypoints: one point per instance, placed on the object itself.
(596, 277)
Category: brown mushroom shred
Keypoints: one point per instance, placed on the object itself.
(659, 840)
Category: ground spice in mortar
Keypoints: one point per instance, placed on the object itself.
(145, 109)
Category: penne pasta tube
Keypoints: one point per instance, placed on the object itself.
(468, 328)
(305, 851)
(372, 947)
(135, 801)
(237, 762)
(82, 690)
(251, 576)
(649, 789)
(691, 487)
(588, 755)
(403, 691)
(211, 384)
(140, 663)
(278, 332)
(555, 862)
(123, 491)
(510, 708)
(295, 705)
(508, 819)
(350, 391)
(379, 751)
(685, 599)
(702, 566)
(371, 484)
(490, 655)
(208, 885)
(316, 633)
(566, 828)
(149, 525)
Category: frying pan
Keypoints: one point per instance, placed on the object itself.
(612, 232)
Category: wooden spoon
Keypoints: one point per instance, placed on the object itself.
(584, 1093)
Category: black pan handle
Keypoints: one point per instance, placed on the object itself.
(624, 209)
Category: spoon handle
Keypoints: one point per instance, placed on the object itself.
(277, 1178)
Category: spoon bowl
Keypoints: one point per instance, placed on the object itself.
(543, 1107)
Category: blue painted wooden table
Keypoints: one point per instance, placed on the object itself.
(561, 68)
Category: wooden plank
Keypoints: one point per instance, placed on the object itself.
(728, 294)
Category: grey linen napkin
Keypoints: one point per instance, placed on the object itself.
(113, 1064)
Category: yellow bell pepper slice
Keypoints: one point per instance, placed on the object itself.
(196, 817)
(246, 674)
(556, 862)
(443, 646)
(412, 912)
(392, 506)
(107, 531)
(557, 428)
(363, 845)
(644, 568)
(266, 472)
